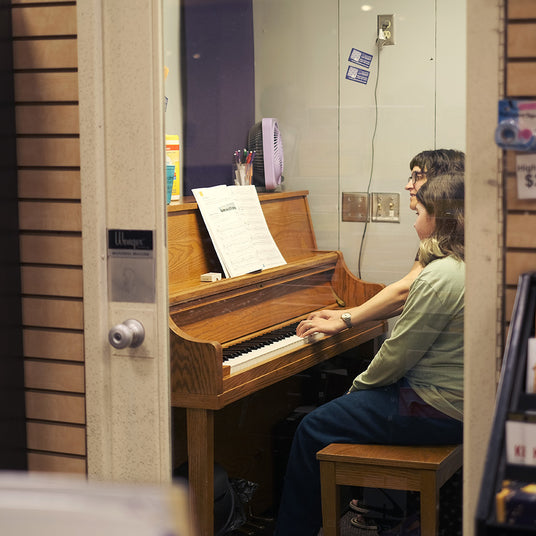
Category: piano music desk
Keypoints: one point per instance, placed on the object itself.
(208, 318)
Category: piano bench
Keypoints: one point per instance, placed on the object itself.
(413, 468)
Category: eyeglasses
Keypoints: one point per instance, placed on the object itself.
(415, 176)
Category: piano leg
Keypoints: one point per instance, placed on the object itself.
(200, 432)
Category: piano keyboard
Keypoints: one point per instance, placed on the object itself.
(254, 351)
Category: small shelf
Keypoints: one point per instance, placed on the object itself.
(511, 398)
(525, 473)
(527, 402)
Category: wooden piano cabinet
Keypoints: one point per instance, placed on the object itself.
(251, 436)
(206, 318)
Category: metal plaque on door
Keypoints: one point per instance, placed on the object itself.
(131, 266)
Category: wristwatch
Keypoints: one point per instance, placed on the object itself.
(347, 319)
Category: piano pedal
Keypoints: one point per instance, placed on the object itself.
(245, 530)
(256, 525)
(258, 518)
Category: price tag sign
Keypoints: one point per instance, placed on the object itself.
(526, 176)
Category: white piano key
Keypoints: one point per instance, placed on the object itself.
(254, 357)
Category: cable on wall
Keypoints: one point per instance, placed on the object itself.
(379, 44)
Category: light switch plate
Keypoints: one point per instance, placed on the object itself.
(385, 207)
(355, 206)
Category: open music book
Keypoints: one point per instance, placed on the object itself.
(236, 224)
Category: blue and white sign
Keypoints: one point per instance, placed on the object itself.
(357, 75)
(361, 58)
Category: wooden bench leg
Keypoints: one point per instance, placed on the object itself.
(330, 500)
(429, 498)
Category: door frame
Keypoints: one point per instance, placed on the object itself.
(122, 181)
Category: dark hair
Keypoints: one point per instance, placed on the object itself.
(443, 198)
(439, 162)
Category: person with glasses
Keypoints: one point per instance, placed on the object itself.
(388, 303)
(412, 391)
(429, 164)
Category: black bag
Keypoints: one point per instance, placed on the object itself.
(229, 498)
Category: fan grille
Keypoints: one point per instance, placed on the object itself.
(255, 144)
(265, 139)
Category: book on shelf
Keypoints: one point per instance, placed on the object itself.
(530, 384)
(237, 227)
(520, 427)
(520, 431)
(516, 503)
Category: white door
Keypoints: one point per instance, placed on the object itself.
(124, 238)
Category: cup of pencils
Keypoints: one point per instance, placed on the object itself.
(243, 167)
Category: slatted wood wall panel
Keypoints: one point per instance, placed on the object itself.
(520, 82)
(48, 155)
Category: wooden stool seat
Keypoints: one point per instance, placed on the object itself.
(416, 468)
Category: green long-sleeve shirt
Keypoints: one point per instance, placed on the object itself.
(426, 344)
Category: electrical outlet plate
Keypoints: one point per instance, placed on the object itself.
(385, 207)
(355, 206)
(386, 23)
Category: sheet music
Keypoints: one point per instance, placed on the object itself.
(251, 210)
(238, 229)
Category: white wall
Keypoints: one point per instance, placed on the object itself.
(172, 55)
(327, 122)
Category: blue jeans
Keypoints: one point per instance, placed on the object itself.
(374, 416)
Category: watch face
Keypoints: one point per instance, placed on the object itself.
(347, 319)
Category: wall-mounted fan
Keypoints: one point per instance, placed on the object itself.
(265, 139)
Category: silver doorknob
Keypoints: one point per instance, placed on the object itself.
(130, 333)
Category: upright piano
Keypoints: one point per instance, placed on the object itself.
(222, 333)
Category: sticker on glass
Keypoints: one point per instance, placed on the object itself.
(357, 75)
(360, 57)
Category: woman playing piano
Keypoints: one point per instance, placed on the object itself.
(388, 303)
(412, 391)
